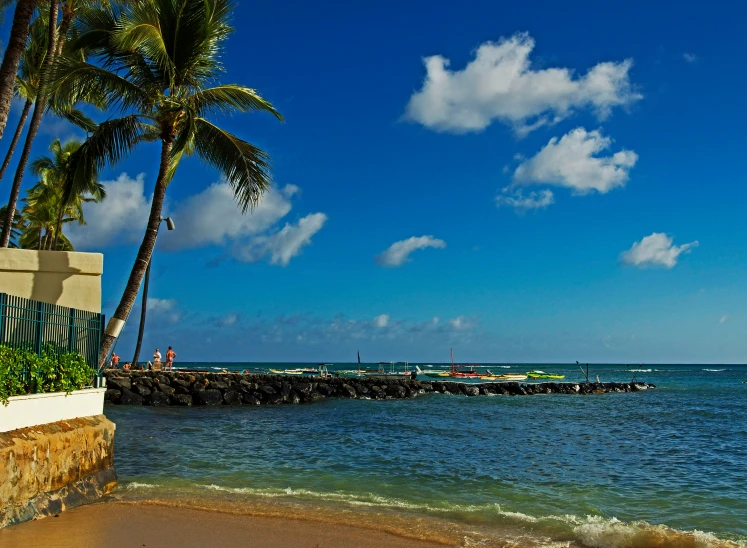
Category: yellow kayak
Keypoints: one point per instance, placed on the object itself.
(543, 375)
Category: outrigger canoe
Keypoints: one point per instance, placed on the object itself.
(543, 375)
(505, 377)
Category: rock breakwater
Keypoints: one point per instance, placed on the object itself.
(181, 388)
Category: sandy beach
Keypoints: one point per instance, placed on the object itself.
(115, 525)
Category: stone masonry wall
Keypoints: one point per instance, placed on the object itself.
(48, 468)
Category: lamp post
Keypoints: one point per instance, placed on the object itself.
(171, 226)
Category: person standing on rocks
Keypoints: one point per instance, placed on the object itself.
(170, 355)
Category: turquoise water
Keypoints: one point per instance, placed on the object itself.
(663, 467)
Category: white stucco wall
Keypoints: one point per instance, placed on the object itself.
(35, 409)
(57, 277)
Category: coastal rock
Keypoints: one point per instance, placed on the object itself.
(113, 395)
(268, 390)
(119, 383)
(209, 397)
(217, 385)
(324, 389)
(140, 389)
(250, 399)
(181, 399)
(348, 391)
(396, 391)
(472, 391)
(130, 398)
(232, 397)
(166, 389)
(157, 399)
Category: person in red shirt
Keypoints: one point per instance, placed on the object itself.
(170, 355)
(115, 361)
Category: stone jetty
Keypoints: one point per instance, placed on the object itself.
(159, 388)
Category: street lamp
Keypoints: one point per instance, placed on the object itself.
(170, 226)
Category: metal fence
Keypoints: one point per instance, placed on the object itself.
(39, 326)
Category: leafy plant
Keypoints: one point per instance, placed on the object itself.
(22, 372)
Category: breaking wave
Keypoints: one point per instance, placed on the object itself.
(488, 525)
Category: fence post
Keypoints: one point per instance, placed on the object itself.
(2, 317)
(71, 331)
(40, 330)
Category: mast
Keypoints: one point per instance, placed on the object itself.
(359, 361)
(452, 361)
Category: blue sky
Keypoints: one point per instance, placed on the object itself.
(549, 167)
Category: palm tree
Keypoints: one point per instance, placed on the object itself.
(19, 33)
(47, 209)
(27, 81)
(159, 63)
(16, 229)
(39, 107)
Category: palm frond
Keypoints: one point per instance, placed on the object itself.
(74, 81)
(228, 98)
(106, 145)
(245, 166)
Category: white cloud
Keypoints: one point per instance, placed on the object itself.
(690, 57)
(161, 305)
(571, 162)
(209, 218)
(461, 323)
(382, 320)
(398, 253)
(500, 84)
(281, 246)
(723, 318)
(517, 200)
(213, 218)
(656, 250)
(120, 219)
(164, 309)
(228, 320)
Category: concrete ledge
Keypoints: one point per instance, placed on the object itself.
(64, 278)
(34, 409)
(48, 468)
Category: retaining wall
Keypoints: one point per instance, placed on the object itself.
(49, 468)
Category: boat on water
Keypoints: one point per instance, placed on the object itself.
(391, 370)
(543, 375)
(504, 377)
(433, 373)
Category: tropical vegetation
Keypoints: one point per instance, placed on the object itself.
(23, 371)
(154, 68)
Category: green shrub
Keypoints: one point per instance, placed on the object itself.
(22, 371)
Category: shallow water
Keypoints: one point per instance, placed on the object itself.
(637, 469)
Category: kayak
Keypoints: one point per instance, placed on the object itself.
(287, 372)
(506, 377)
(543, 375)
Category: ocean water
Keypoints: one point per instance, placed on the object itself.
(664, 467)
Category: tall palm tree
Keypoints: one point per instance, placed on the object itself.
(47, 197)
(159, 64)
(39, 107)
(27, 81)
(19, 33)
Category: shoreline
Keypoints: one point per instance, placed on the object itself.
(123, 525)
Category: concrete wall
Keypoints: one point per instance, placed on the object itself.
(53, 467)
(56, 277)
(25, 411)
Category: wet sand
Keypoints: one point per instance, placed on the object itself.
(114, 525)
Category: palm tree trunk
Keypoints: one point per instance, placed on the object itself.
(39, 106)
(16, 136)
(67, 17)
(58, 226)
(139, 344)
(143, 255)
(19, 33)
